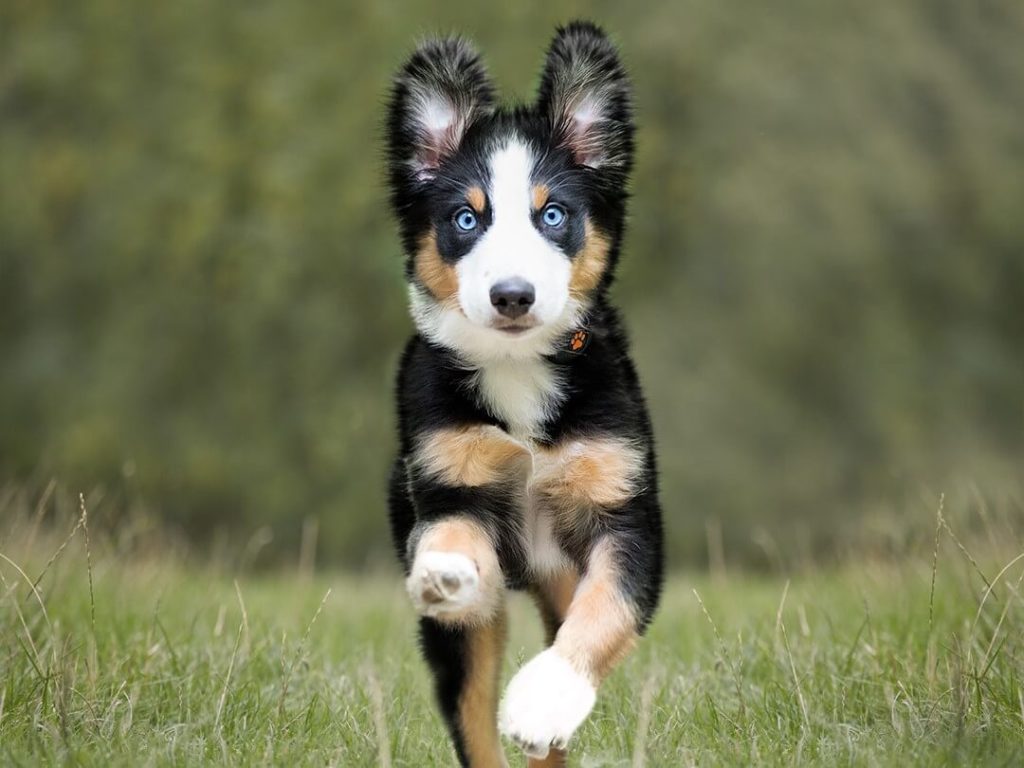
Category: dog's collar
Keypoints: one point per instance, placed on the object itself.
(574, 343)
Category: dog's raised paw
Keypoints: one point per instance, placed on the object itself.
(544, 704)
(443, 583)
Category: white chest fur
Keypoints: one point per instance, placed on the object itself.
(522, 393)
(544, 554)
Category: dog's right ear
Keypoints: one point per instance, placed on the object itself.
(437, 95)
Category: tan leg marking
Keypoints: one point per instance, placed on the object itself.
(478, 701)
(557, 758)
(600, 627)
(584, 478)
(463, 536)
(590, 263)
(471, 456)
(476, 198)
(539, 194)
(436, 275)
(553, 596)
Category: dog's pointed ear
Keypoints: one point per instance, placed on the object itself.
(586, 95)
(437, 95)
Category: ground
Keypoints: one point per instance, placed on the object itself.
(144, 656)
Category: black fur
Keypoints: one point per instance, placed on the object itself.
(444, 648)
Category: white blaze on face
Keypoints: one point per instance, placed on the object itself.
(512, 247)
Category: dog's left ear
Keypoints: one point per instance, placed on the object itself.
(585, 93)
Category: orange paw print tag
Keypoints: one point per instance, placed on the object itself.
(578, 341)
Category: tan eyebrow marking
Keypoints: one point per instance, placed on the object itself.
(439, 277)
(477, 199)
(539, 194)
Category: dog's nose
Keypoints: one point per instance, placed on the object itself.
(512, 297)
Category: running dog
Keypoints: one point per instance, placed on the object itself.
(526, 457)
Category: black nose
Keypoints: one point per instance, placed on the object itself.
(512, 297)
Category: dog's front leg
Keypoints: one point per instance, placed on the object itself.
(455, 577)
(551, 696)
(463, 482)
(456, 586)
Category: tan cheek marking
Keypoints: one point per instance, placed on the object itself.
(553, 596)
(590, 263)
(539, 194)
(439, 277)
(477, 199)
(590, 475)
(600, 628)
(471, 456)
(467, 537)
(478, 702)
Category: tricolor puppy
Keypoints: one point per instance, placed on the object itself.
(526, 458)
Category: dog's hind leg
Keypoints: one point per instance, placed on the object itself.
(457, 586)
(466, 663)
(553, 595)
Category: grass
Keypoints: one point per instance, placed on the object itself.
(132, 652)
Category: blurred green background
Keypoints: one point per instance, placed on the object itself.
(201, 301)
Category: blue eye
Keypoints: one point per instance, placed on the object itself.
(554, 215)
(465, 220)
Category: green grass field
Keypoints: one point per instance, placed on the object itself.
(140, 654)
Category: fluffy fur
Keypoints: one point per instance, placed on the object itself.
(526, 457)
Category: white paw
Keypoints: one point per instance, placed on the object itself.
(443, 583)
(545, 703)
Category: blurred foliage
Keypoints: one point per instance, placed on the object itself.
(201, 302)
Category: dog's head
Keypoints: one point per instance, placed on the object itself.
(510, 217)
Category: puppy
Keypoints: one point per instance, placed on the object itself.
(526, 458)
